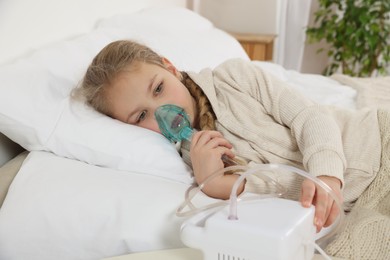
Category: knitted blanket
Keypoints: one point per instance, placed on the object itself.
(370, 91)
(366, 231)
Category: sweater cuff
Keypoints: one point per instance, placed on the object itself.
(327, 163)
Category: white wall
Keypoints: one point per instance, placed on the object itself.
(246, 16)
(284, 18)
(26, 25)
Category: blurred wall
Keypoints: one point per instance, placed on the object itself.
(285, 18)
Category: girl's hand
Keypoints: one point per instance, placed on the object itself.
(326, 210)
(207, 148)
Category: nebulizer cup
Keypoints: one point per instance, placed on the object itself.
(175, 125)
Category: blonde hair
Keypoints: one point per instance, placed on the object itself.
(105, 67)
(116, 57)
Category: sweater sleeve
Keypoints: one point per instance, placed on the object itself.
(316, 132)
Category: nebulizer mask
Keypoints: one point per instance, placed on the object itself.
(249, 227)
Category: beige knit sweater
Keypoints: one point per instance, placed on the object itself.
(269, 122)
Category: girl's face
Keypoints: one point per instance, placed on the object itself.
(137, 93)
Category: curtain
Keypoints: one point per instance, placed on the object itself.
(292, 35)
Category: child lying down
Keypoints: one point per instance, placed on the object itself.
(249, 116)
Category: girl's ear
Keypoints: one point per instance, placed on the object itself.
(170, 67)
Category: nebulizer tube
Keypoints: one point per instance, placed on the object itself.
(193, 190)
(175, 126)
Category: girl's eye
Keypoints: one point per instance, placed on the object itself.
(158, 89)
(141, 116)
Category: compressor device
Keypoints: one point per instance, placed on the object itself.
(271, 228)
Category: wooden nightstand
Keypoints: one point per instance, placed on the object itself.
(257, 46)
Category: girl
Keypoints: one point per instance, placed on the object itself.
(242, 110)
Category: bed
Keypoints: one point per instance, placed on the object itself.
(78, 190)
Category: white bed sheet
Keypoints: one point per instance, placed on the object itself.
(60, 208)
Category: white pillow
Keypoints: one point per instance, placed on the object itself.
(64, 209)
(36, 112)
(189, 40)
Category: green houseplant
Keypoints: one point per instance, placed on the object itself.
(358, 33)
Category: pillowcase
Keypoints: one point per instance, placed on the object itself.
(37, 112)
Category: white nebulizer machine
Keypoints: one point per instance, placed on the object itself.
(271, 228)
(252, 226)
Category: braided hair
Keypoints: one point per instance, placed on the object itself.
(206, 116)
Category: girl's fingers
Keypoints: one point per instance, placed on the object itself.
(334, 212)
(308, 192)
(329, 208)
(210, 145)
(210, 138)
(225, 151)
(318, 197)
(202, 137)
(326, 209)
(217, 141)
(205, 135)
(321, 208)
(332, 208)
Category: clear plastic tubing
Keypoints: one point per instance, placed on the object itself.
(248, 171)
(194, 189)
